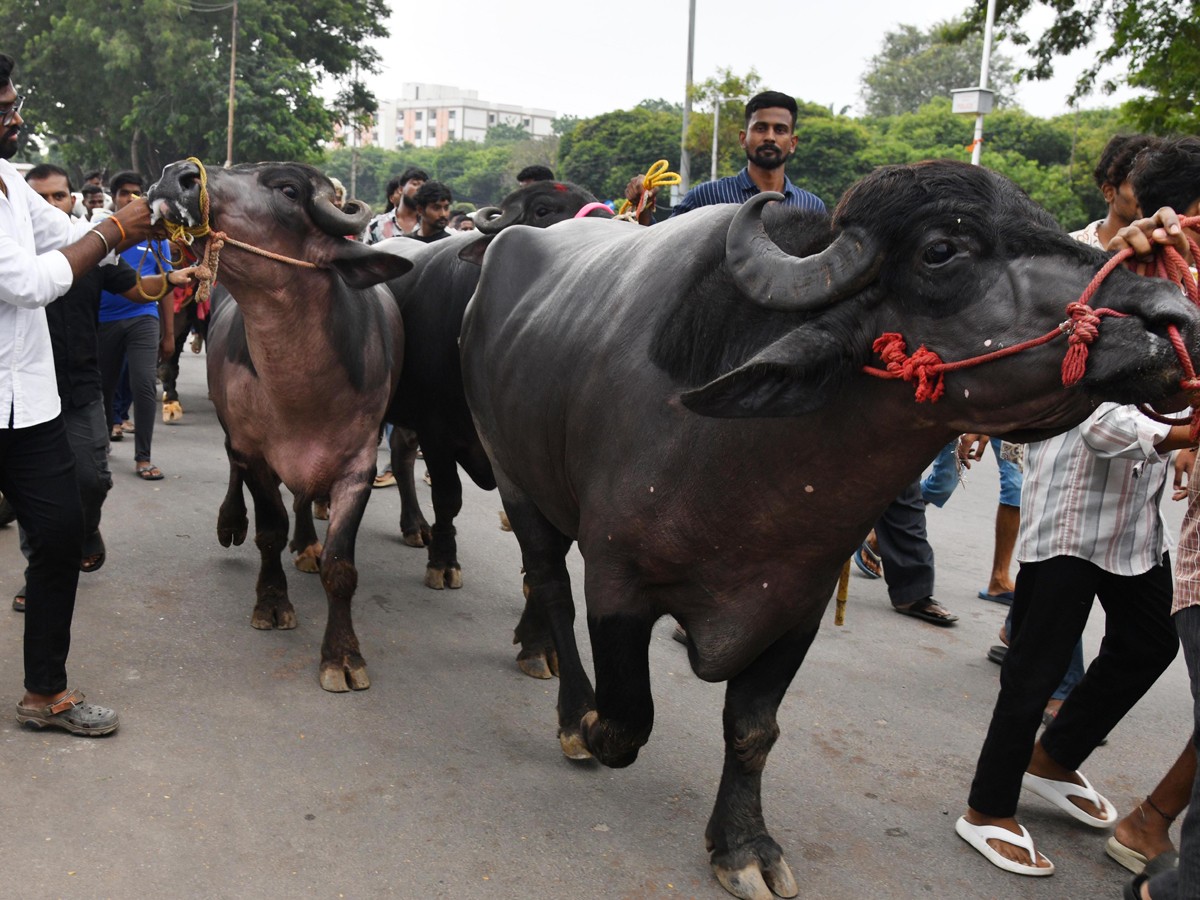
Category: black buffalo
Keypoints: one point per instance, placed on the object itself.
(687, 403)
(430, 400)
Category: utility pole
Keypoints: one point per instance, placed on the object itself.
(685, 163)
(977, 152)
(232, 73)
(716, 121)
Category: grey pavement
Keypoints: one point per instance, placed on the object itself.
(235, 775)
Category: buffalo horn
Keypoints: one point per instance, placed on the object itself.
(777, 280)
(489, 220)
(350, 219)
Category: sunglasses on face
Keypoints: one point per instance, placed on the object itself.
(9, 115)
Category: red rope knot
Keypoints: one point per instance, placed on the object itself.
(923, 367)
(1084, 328)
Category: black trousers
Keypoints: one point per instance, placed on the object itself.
(904, 547)
(1050, 609)
(37, 475)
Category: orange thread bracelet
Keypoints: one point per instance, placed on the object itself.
(120, 228)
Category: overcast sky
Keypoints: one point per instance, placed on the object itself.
(584, 59)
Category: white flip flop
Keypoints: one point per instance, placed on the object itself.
(979, 835)
(1060, 793)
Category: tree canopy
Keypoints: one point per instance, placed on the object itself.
(140, 83)
(916, 66)
(1156, 45)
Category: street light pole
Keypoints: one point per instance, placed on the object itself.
(977, 146)
(716, 122)
(232, 72)
(685, 161)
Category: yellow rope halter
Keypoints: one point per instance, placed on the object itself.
(656, 176)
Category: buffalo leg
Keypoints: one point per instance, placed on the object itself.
(547, 627)
(272, 608)
(442, 569)
(304, 537)
(624, 714)
(232, 523)
(342, 665)
(413, 526)
(746, 859)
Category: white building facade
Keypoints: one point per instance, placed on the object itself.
(428, 115)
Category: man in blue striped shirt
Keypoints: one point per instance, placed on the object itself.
(768, 141)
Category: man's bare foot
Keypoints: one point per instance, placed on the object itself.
(33, 701)
(1043, 766)
(1005, 849)
(1145, 831)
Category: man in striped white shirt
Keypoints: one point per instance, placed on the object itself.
(1090, 527)
(769, 141)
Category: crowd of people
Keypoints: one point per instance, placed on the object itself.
(85, 308)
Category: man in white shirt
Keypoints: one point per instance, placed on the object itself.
(42, 251)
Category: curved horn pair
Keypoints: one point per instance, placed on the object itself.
(776, 280)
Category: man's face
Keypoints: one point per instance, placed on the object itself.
(93, 201)
(768, 139)
(56, 191)
(1122, 203)
(126, 194)
(11, 131)
(408, 191)
(434, 215)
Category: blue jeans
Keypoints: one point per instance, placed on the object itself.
(942, 479)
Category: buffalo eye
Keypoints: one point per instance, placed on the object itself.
(290, 191)
(542, 211)
(939, 253)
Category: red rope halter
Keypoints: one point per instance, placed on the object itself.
(1082, 327)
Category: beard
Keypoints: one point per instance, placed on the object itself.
(10, 142)
(768, 157)
(409, 203)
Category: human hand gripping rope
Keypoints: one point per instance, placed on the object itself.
(1081, 327)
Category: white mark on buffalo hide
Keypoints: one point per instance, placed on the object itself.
(652, 489)
(764, 585)
(967, 392)
(988, 342)
(808, 489)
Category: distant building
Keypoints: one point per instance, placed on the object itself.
(428, 115)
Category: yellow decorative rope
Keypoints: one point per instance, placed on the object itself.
(656, 176)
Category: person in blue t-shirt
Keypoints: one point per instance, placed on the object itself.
(133, 331)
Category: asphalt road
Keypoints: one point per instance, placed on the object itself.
(235, 775)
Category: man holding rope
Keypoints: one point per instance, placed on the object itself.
(42, 252)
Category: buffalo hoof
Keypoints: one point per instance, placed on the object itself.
(414, 538)
(538, 663)
(758, 881)
(438, 578)
(278, 615)
(309, 559)
(321, 510)
(340, 676)
(172, 411)
(505, 525)
(232, 533)
(573, 746)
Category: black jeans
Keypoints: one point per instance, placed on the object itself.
(135, 339)
(904, 547)
(37, 475)
(1050, 609)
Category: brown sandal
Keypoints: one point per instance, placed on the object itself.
(149, 472)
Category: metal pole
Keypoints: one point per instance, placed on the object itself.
(685, 163)
(716, 122)
(977, 148)
(232, 72)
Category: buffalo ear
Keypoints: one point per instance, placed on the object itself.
(795, 375)
(473, 252)
(361, 266)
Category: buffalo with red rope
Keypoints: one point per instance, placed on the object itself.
(688, 403)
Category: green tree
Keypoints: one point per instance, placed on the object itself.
(604, 152)
(1156, 45)
(915, 66)
(139, 84)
